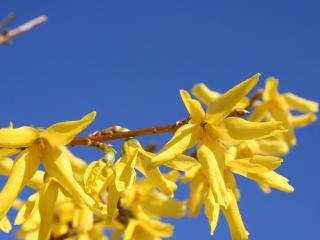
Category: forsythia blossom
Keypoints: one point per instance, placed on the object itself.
(129, 196)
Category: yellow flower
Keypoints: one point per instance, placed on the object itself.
(207, 96)
(64, 211)
(143, 226)
(209, 129)
(144, 197)
(279, 105)
(200, 193)
(258, 168)
(135, 157)
(45, 147)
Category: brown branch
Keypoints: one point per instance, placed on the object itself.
(7, 37)
(110, 135)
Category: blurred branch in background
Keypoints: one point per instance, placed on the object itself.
(6, 36)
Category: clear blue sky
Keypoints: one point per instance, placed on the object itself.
(128, 59)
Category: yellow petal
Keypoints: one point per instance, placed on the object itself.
(301, 104)
(62, 133)
(83, 220)
(27, 209)
(193, 106)
(303, 120)
(112, 204)
(277, 147)
(212, 210)
(255, 164)
(184, 138)
(58, 166)
(271, 179)
(231, 183)
(78, 165)
(5, 225)
(212, 172)
(47, 199)
(155, 176)
(258, 113)
(159, 204)
(155, 228)
(271, 89)
(98, 176)
(182, 163)
(35, 182)
(282, 115)
(23, 169)
(236, 226)
(130, 230)
(223, 105)
(241, 129)
(6, 152)
(125, 173)
(196, 196)
(17, 137)
(202, 92)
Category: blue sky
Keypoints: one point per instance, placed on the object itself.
(128, 59)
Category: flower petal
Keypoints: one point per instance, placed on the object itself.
(27, 209)
(62, 133)
(241, 129)
(282, 115)
(212, 210)
(259, 112)
(159, 204)
(271, 179)
(301, 104)
(184, 138)
(83, 220)
(303, 120)
(277, 147)
(202, 92)
(23, 169)
(35, 182)
(155, 176)
(112, 204)
(5, 225)
(58, 166)
(224, 104)
(47, 199)
(212, 172)
(125, 172)
(182, 163)
(271, 89)
(196, 196)
(17, 137)
(193, 106)
(236, 226)
(255, 164)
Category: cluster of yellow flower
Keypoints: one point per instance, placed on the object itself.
(76, 200)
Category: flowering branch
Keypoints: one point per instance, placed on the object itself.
(117, 132)
(6, 37)
(113, 133)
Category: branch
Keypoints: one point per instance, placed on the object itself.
(111, 135)
(7, 37)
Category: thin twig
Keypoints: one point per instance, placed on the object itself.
(7, 37)
(103, 136)
(108, 136)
